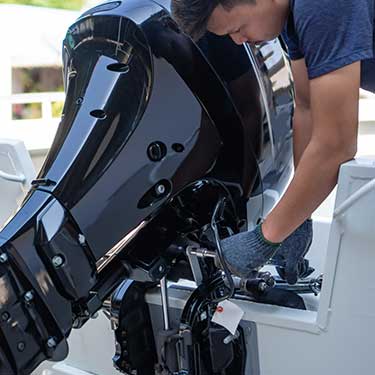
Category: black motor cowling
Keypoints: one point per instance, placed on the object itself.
(145, 116)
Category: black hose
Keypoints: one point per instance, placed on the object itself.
(228, 275)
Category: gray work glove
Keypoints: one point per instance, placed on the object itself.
(247, 251)
(289, 258)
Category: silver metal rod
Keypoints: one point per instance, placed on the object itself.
(263, 93)
(203, 253)
(194, 264)
(354, 198)
(12, 177)
(164, 302)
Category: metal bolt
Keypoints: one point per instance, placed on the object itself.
(95, 315)
(203, 316)
(3, 258)
(51, 342)
(29, 296)
(161, 268)
(57, 261)
(160, 189)
(79, 100)
(262, 286)
(5, 316)
(227, 340)
(81, 239)
(21, 346)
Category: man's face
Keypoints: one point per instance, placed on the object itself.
(247, 22)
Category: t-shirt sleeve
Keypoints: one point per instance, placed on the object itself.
(333, 34)
(291, 39)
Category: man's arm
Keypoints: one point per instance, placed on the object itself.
(302, 121)
(334, 112)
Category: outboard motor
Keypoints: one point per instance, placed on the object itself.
(162, 143)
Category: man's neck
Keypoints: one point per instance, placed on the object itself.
(285, 6)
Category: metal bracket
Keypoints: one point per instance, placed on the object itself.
(193, 253)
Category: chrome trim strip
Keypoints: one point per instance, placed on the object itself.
(263, 95)
(116, 249)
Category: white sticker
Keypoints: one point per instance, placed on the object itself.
(228, 315)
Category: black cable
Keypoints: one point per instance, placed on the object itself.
(164, 359)
(228, 275)
(220, 184)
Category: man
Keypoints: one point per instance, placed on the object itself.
(330, 43)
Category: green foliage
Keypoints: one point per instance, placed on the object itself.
(63, 4)
(57, 108)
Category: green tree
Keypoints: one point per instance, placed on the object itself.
(63, 4)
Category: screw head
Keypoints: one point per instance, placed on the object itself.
(21, 346)
(51, 342)
(81, 239)
(29, 296)
(3, 258)
(5, 316)
(79, 100)
(57, 261)
(161, 268)
(160, 189)
(156, 151)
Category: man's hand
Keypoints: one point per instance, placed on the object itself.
(245, 252)
(289, 258)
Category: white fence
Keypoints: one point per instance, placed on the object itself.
(37, 134)
(45, 99)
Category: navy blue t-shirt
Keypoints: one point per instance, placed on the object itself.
(331, 34)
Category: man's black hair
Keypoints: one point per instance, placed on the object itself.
(192, 15)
